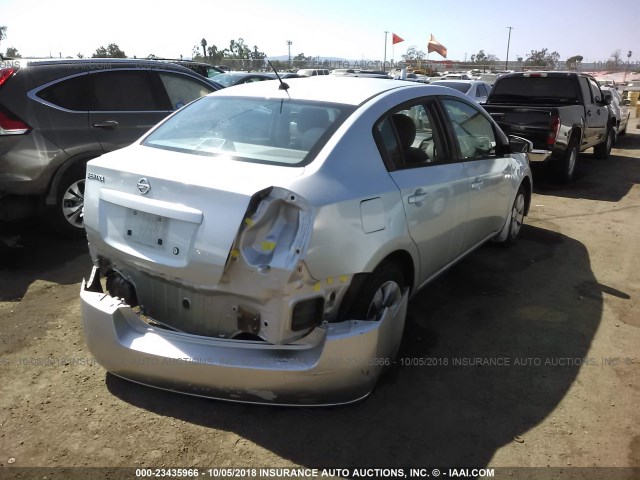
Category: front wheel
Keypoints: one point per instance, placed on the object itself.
(603, 150)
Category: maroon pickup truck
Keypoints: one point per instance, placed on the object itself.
(561, 113)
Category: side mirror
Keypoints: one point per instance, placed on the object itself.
(519, 144)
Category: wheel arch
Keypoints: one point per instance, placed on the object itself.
(73, 162)
(400, 258)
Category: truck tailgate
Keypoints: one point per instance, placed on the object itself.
(532, 123)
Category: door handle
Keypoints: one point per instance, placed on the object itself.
(106, 124)
(477, 184)
(588, 113)
(418, 197)
(598, 111)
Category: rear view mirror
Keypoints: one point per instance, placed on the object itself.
(519, 144)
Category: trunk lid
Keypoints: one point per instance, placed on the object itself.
(171, 214)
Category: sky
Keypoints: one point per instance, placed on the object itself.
(350, 29)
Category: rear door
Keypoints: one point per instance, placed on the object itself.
(433, 186)
(125, 104)
(63, 118)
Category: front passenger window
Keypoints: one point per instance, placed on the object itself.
(472, 129)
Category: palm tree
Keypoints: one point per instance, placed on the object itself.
(203, 42)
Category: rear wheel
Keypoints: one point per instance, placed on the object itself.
(566, 167)
(381, 289)
(603, 150)
(66, 217)
(624, 130)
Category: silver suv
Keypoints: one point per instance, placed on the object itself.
(55, 115)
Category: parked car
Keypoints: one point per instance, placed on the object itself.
(313, 72)
(619, 109)
(561, 113)
(607, 82)
(55, 115)
(237, 78)
(476, 89)
(204, 69)
(261, 244)
(456, 76)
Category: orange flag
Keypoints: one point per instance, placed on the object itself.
(436, 46)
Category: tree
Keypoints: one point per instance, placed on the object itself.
(479, 57)
(3, 33)
(572, 62)
(615, 58)
(203, 42)
(112, 51)
(540, 58)
(80, 55)
(629, 53)
(12, 52)
(413, 55)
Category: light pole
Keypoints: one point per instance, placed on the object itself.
(384, 63)
(506, 63)
(289, 42)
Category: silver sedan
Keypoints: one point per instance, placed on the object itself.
(476, 89)
(262, 243)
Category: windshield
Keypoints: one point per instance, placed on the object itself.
(282, 132)
(228, 79)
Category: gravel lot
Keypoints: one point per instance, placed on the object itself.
(558, 313)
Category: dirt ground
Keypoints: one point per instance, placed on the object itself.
(560, 309)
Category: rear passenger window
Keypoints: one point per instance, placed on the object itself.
(71, 94)
(127, 90)
(473, 130)
(182, 90)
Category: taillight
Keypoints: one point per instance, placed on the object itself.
(5, 74)
(12, 125)
(554, 128)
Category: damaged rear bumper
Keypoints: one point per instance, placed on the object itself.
(334, 364)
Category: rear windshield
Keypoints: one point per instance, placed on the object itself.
(282, 132)
(536, 89)
(460, 86)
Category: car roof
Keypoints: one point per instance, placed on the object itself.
(97, 63)
(328, 88)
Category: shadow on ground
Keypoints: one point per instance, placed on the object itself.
(36, 253)
(608, 180)
(523, 304)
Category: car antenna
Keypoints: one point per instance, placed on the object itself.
(283, 85)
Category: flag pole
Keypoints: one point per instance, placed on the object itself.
(384, 64)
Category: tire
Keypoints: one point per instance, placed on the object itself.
(603, 149)
(624, 130)
(516, 217)
(66, 216)
(566, 167)
(381, 289)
